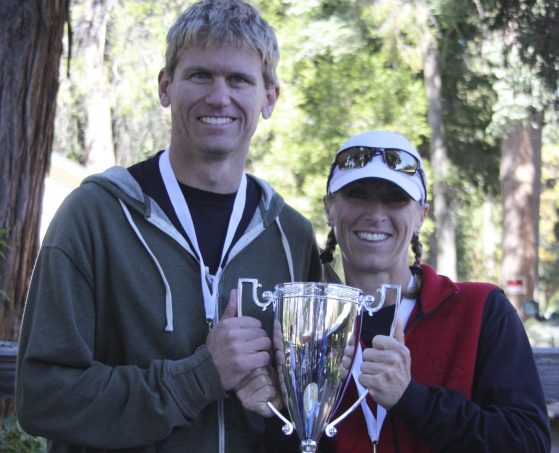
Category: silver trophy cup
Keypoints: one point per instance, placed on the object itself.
(315, 328)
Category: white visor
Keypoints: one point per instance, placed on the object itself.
(413, 185)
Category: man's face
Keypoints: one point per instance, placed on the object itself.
(216, 96)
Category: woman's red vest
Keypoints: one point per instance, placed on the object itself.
(442, 335)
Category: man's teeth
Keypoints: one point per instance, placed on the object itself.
(373, 237)
(216, 119)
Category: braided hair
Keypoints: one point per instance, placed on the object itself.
(327, 257)
(417, 249)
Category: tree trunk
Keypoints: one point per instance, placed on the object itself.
(520, 188)
(445, 258)
(99, 146)
(30, 49)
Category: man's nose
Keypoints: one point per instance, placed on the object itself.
(218, 93)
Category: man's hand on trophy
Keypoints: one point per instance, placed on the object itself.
(259, 388)
(238, 345)
(386, 368)
(277, 340)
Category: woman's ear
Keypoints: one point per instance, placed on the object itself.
(423, 211)
(326, 203)
(326, 200)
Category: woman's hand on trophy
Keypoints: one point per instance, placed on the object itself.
(386, 368)
(238, 345)
(259, 388)
(347, 358)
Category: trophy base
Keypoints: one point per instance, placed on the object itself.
(308, 446)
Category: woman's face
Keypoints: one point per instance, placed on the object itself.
(374, 221)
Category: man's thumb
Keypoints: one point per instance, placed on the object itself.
(399, 334)
(231, 308)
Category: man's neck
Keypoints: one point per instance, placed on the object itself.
(218, 176)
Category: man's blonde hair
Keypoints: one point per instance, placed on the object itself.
(216, 23)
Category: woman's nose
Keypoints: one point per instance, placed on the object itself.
(375, 210)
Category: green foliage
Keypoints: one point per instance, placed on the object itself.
(338, 79)
(345, 67)
(134, 54)
(14, 440)
(142, 125)
(468, 101)
(534, 23)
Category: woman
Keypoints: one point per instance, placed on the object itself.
(459, 374)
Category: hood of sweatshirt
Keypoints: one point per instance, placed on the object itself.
(119, 182)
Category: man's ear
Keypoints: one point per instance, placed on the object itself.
(164, 82)
(272, 95)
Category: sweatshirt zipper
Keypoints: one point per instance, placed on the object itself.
(220, 404)
(221, 420)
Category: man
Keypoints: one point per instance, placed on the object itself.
(130, 339)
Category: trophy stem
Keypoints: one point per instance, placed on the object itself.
(308, 446)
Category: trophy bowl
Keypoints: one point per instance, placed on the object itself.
(315, 327)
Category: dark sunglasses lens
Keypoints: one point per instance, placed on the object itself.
(355, 157)
(400, 161)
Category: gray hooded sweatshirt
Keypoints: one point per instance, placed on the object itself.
(110, 353)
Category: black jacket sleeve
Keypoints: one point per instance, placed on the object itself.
(507, 412)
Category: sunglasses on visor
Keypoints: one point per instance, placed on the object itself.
(393, 158)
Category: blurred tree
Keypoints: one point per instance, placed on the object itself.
(30, 48)
(524, 53)
(124, 78)
(337, 80)
(445, 245)
(549, 224)
(346, 66)
(97, 133)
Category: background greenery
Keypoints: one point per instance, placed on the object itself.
(347, 66)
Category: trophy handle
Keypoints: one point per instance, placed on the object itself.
(287, 429)
(330, 429)
(255, 285)
(369, 304)
(398, 290)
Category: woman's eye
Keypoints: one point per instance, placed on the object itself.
(356, 192)
(396, 196)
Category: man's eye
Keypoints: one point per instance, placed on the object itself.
(238, 80)
(200, 76)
